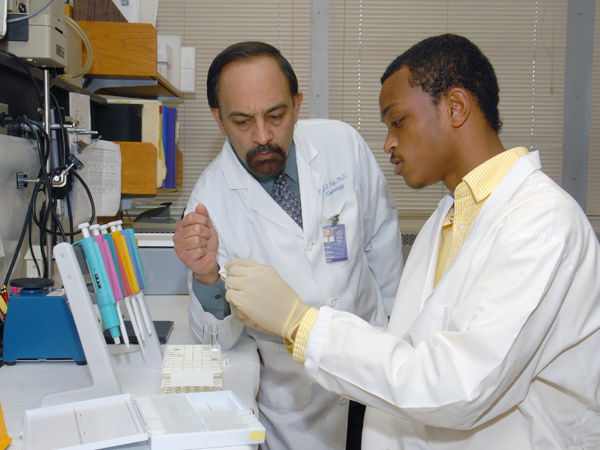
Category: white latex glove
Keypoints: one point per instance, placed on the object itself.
(261, 299)
(243, 319)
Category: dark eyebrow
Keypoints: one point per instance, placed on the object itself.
(387, 108)
(270, 110)
(276, 107)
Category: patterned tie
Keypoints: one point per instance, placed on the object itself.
(286, 198)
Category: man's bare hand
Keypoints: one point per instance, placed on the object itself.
(196, 243)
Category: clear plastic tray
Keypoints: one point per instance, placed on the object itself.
(171, 422)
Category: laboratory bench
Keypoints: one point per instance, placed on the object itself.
(23, 385)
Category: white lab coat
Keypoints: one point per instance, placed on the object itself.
(503, 353)
(337, 175)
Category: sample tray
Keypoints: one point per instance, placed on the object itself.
(169, 422)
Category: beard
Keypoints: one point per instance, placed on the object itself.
(266, 167)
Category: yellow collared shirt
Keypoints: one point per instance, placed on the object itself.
(469, 197)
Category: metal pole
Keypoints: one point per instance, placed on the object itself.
(47, 125)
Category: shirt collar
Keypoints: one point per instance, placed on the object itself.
(482, 180)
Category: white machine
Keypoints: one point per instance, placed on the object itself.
(46, 45)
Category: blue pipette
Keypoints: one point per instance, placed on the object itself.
(104, 297)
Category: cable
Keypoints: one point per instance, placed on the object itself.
(20, 241)
(26, 66)
(89, 49)
(30, 16)
(48, 210)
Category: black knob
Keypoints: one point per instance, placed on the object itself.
(32, 283)
(72, 159)
(21, 181)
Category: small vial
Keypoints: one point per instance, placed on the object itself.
(214, 336)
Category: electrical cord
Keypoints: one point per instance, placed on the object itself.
(48, 207)
(28, 70)
(29, 16)
(47, 210)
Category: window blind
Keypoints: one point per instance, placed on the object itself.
(210, 27)
(524, 40)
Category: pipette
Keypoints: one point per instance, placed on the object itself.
(129, 282)
(135, 259)
(124, 282)
(130, 249)
(112, 276)
(104, 297)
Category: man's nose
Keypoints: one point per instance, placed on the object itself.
(262, 133)
(390, 144)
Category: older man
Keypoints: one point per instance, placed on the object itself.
(270, 194)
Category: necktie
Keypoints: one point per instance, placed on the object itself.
(286, 198)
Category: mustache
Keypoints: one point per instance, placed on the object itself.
(273, 148)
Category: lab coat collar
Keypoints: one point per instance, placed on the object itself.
(507, 187)
(309, 179)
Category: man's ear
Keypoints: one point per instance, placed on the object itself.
(458, 103)
(297, 103)
(216, 113)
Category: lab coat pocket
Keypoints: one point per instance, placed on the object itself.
(349, 215)
(283, 383)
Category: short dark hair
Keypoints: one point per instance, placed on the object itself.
(440, 63)
(245, 51)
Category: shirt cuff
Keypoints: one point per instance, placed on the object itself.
(299, 347)
(212, 298)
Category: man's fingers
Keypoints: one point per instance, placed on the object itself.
(238, 313)
(202, 211)
(239, 263)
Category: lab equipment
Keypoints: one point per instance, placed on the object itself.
(169, 422)
(129, 249)
(46, 43)
(40, 326)
(191, 368)
(114, 243)
(115, 285)
(102, 370)
(104, 297)
(128, 279)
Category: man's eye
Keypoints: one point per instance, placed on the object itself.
(277, 117)
(395, 123)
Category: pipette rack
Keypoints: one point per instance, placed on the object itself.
(100, 362)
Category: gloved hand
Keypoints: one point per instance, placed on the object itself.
(243, 319)
(261, 299)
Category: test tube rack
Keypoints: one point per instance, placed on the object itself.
(192, 368)
(100, 362)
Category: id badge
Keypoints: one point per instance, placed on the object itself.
(334, 242)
